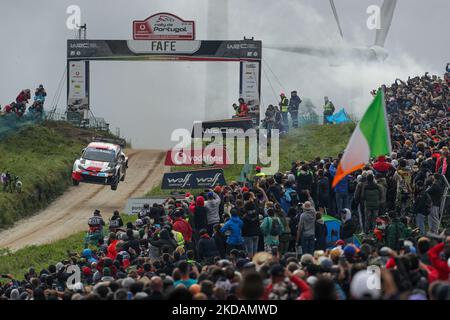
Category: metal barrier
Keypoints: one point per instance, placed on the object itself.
(10, 122)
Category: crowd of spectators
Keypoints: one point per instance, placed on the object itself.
(19, 107)
(268, 239)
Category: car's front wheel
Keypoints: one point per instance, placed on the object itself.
(75, 182)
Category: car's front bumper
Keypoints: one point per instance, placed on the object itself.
(94, 177)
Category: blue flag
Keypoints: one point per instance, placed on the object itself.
(339, 117)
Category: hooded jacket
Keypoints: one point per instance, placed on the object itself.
(371, 195)
(381, 165)
(112, 251)
(437, 262)
(234, 226)
(184, 228)
(200, 215)
(307, 222)
(212, 209)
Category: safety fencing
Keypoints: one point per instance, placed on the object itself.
(10, 123)
(304, 120)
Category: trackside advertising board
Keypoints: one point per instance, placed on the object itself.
(135, 205)
(163, 26)
(250, 86)
(78, 86)
(194, 179)
(188, 157)
(221, 126)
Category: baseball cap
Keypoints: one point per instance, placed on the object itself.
(360, 287)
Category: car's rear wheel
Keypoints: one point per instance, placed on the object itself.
(123, 177)
(75, 182)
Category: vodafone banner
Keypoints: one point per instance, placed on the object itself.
(189, 157)
(163, 26)
(78, 86)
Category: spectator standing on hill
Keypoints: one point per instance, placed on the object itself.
(294, 105)
(328, 110)
(284, 108)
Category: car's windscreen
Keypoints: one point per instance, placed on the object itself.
(98, 155)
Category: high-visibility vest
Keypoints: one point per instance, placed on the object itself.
(284, 104)
(178, 238)
(260, 174)
(327, 108)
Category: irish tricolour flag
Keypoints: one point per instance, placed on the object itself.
(370, 139)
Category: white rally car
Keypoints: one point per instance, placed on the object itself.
(102, 162)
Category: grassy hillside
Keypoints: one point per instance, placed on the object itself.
(305, 143)
(42, 157)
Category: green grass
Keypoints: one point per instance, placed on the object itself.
(42, 157)
(17, 263)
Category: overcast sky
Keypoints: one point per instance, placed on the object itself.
(147, 100)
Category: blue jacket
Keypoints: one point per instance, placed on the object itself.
(234, 226)
(87, 254)
(342, 186)
(286, 200)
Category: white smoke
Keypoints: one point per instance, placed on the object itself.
(148, 100)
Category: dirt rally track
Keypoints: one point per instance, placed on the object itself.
(69, 213)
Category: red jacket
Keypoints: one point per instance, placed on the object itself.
(441, 265)
(243, 110)
(112, 251)
(184, 228)
(381, 165)
(22, 97)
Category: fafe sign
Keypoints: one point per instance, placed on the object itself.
(195, 179)
(163, 26)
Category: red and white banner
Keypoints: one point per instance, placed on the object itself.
(163, 26)
(189, 157)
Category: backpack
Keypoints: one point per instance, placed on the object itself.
(275, 228)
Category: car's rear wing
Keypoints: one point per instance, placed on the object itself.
(119, 141)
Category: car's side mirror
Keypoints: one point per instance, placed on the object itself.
(82, 151)
(122, 158)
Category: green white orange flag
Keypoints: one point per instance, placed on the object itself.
(371, 138)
